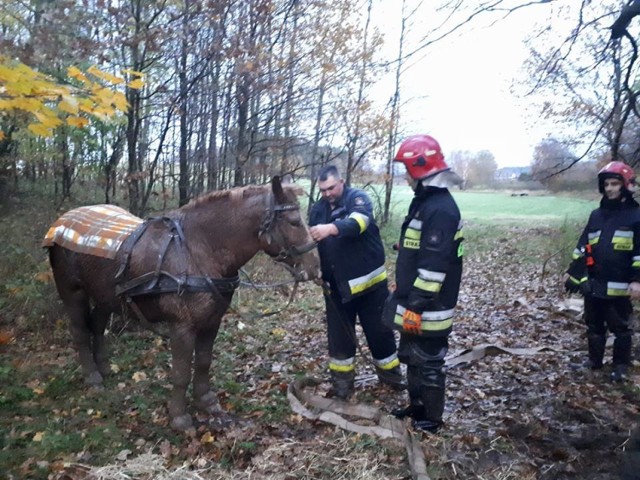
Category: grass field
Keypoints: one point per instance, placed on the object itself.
(502, 208)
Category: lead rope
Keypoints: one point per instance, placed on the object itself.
(268, 314)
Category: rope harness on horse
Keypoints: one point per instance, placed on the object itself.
(161, 281)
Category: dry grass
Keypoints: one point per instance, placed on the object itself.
(337, 459)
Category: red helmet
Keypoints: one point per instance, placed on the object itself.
(619, 170)
(422, 156)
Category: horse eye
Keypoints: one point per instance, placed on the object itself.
(295, 223)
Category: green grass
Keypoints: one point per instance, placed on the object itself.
(491, 217)
(501, 208)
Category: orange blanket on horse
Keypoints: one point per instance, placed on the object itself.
(95, 230)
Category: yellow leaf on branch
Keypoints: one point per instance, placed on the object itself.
(48, 118)
(69, 105)
(120, 102)
(78, 122)
(105, 76)
(135, 73)
(136, 84)
(74, 72)
(26, 104)
(40, 130)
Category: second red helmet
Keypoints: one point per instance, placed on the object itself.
(618, 170)
(422, 156)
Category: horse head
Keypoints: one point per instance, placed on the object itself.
(284, 235)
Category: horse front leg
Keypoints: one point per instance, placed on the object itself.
(182, 346)
(204, 397)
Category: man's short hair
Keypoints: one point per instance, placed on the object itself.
(328, 171)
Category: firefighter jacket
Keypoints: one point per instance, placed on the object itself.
(353, 260)
(607, 256)
(429, 265)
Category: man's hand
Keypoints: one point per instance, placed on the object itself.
(634, 289)
(322, 231)
(571, 287)
(412, 322)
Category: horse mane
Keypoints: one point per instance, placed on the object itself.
(238, 193)
(233, 194)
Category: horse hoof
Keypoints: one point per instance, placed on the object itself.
(94, 379)
(182, 423)
(209, 403)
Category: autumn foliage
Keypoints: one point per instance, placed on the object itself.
(44, 104)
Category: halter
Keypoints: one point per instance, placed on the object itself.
(268, 223)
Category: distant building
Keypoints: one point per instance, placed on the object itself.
(512, 173)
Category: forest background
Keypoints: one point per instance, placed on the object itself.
(215, 94)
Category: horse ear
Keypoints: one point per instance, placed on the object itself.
(278, 192)
(286, 179)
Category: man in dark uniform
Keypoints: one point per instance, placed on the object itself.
(352, 260)
(606, 268)
(428, 274)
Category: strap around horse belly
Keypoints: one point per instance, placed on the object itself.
(154, 283)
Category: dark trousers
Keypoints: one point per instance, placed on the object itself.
(424, 357)
(613, 314)
(341, 324)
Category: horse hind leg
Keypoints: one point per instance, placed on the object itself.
(98, 324)
(79, 310)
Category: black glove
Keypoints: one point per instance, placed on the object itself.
(572, 287)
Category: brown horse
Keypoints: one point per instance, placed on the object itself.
(181, 269)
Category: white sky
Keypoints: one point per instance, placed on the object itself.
(459, 90)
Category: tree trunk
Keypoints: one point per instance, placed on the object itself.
(183, 179)
(354, 137)
(393, 127)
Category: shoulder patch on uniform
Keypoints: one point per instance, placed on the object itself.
(359, 201)
(434, 238)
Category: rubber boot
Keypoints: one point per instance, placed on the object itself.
(415, 407)
(622, 349)
(430, 418)
(392, 378)
(342, 384)
(619, 373)
(408, 411)
(596, 345)
(426, 411)
(621, 357)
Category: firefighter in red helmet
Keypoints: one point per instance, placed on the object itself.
(606, 268)
(428, 273)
